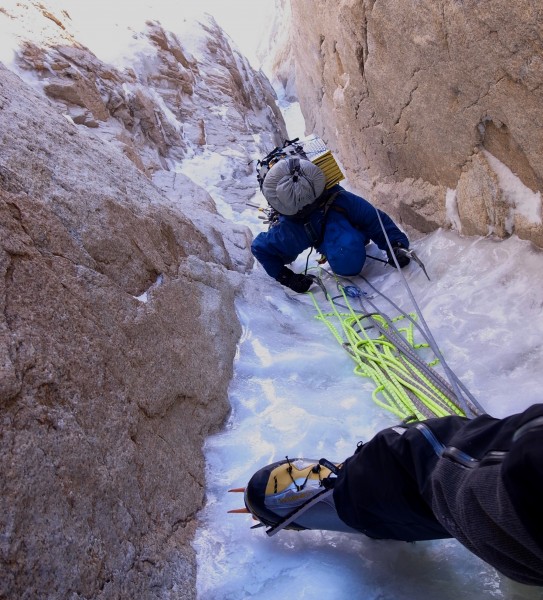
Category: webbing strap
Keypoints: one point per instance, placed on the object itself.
(298, 512)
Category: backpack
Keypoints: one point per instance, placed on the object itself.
(304, 169)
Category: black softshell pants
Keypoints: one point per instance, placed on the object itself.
(479, 480)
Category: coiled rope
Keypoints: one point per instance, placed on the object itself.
(385, 350)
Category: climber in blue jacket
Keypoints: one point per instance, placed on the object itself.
(336, 222)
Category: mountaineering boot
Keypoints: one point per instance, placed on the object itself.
(281, 490)
(401, 254)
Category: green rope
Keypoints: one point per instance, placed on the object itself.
(402, 386)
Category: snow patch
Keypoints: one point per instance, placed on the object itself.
(69, 119)
(168, 114)
(144, 298)
(523, 200)
(294, 393)
(451, 207)
(292, 114)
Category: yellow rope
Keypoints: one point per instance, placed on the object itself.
(401, 387)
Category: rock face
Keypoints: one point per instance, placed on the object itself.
(117, 321)
(164, 101)
(408, 93)
(275, 50)
(105, 398)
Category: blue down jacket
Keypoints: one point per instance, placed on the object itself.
(349, 223)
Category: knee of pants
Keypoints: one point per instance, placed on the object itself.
(346, 261)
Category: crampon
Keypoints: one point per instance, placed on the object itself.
(295, 494)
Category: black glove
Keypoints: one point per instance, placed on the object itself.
(400, 252)
(298, 282)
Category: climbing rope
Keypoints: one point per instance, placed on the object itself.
(386, 351)
(469, 403)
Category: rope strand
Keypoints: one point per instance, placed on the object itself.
(406, 385)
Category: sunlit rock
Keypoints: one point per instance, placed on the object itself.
(166, 97)
(408, 92)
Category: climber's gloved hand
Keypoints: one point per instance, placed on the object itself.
(400, 252)
(297, 282)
